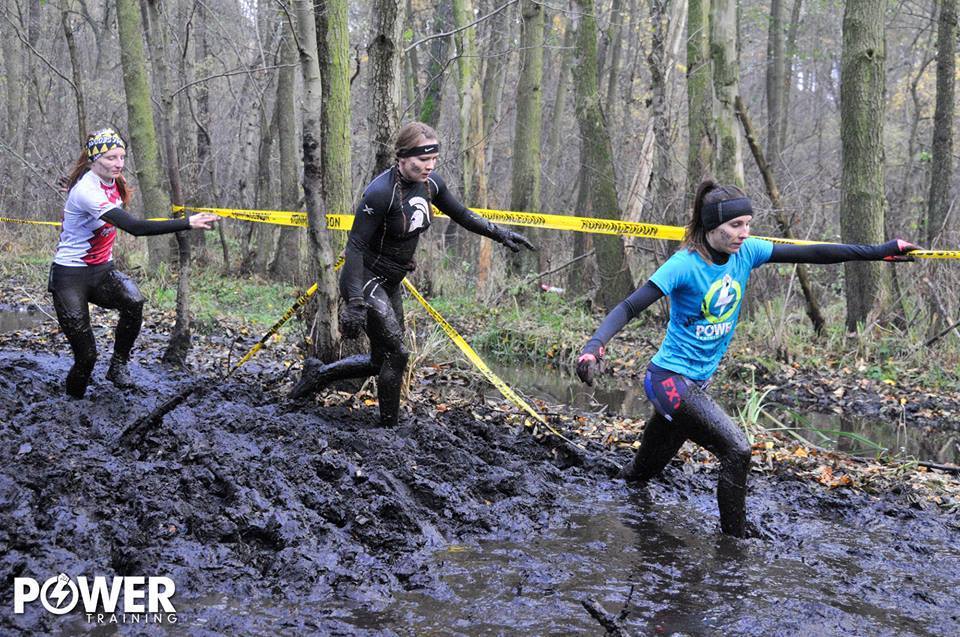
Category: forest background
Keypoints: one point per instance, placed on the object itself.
(614, 109)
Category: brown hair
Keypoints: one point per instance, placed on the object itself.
(408, 135)
(709, 191)
(81, 167)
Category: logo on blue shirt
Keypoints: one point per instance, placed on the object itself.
(721, 300)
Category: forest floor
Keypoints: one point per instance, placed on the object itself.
(235, 492)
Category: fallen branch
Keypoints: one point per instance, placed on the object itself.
(135, 433)
(608, 621)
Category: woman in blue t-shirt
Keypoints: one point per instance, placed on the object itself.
(706, 280)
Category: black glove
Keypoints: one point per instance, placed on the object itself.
(590, 363)
(511, 239)
(353, 318)
(898, 250)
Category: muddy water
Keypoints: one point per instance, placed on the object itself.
(850, 434)
(13, 319)
(650, 555)
(278, 518)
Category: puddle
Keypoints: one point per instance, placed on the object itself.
(854, 435)
(13, 318)
(684, 579)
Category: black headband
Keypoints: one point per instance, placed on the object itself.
(719, 212)
(416, 151)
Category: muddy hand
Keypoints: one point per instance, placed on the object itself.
(512, 240)
(588, 367)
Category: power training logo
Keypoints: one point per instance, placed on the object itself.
(145, 600)
(720, 303)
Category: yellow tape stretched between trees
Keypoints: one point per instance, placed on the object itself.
(525, 219)
(451, 332)
(29, 221)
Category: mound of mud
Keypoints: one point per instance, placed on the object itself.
(234, 491)
(304, 513)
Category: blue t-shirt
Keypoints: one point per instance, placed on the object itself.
(704, 306)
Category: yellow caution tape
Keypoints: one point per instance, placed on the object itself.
(30, 221)
(510, 218)
(301, 300)
(474, 358)
(458, 340)
(529, 220)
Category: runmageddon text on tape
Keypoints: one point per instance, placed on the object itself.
(525, 219)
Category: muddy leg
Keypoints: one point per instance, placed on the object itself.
(73, 315)
(708, 426)
(118, 291)
(385, 328)
(70, 288)
(661, 441)
(316, 376)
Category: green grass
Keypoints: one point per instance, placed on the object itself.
(213, 296)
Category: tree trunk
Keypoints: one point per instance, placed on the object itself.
(596, 159)
(411, 62)
(554, 125)
(433, 92)
(325, 327)
(143, 135)
(179, 344)
(790, 54)
(525, 185)
(613, 70)
(938, 202)
(656, 148)
(700, 121)
(472, 150)
(67, 23)
(207, 190)
(384, 53)
(334, 47)
(258, 237)
(726, 78)
(774, 82)
(286, 259)
(861, 137)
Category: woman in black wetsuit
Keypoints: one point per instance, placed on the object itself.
(393, 212)
(83, 271)
(706, 280)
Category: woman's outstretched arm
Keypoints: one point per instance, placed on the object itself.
(588, 365)
(893, 250)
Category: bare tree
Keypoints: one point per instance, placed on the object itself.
(861, 134)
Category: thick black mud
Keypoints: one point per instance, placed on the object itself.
(274, 518)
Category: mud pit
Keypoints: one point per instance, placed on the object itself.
(308, 519)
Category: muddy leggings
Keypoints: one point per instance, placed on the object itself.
(685, 411)
(388, 356)
(73, 288)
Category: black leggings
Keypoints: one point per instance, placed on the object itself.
(73, 288)
(388, 356)
(699, 418)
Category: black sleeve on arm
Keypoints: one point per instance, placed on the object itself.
(831, 252)
(625, 311)
(141, 227)
(367, 219)
(450, 206)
